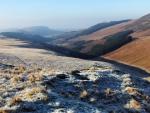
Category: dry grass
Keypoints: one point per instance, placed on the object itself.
(16, 79)
(22, 82)
(15, 101)
(131, 90)
(32, 93)
(4, 111)
(84, 94)
(147, 79)
(133, 104)
(19, 70)
(35, 77)
(135, 53)
(108, 92)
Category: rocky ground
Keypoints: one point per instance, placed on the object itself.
(57, 87)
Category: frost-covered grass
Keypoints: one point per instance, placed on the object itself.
(99, 88)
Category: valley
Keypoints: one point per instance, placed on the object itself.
(113, 42)
(35, 80)
(101, 69)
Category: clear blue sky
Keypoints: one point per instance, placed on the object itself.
(65, 14)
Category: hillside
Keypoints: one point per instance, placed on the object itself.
(40, 30)
(137, 52)
(115, 41)
(39, 42)
(38, 77)
(100, 41)
(37, 80)
(137, 55)
(77, 34)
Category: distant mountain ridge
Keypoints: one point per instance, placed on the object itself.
(72, 35)
(78, 41)
(40, 30)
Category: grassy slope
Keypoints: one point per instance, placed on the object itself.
(87, 43)
(14, 52)
(135, 53)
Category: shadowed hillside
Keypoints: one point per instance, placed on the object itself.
(131, 47)
(105, 45)
(75, 34)
(39, 42)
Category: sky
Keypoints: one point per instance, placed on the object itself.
(68, 14)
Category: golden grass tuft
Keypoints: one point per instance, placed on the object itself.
(84, 94)
(35, 77)
(108, 92)
(147, 79)
(15, 101)
(15, 79)
(4, 111)
(19, 70)
(36, 90)
(133, 104)
(131, 90)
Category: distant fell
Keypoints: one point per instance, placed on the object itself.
(41, 30)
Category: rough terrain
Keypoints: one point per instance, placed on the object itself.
(36, 81)
(97, 89)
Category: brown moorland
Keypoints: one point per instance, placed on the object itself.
(137, 52)
(87, 43)
(116, 47)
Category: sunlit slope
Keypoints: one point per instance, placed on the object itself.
(136, 53)
(100, 41)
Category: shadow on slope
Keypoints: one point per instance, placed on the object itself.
(104, 45)
(74, 34)
(35, 41)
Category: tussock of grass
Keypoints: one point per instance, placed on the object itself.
(16, 79)
(4, 111)
(35, 77)
(131, 90)
(147, 79)
(108, 92)
(84, 94)
(15, 101)
(133, 105)
(36, 92)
